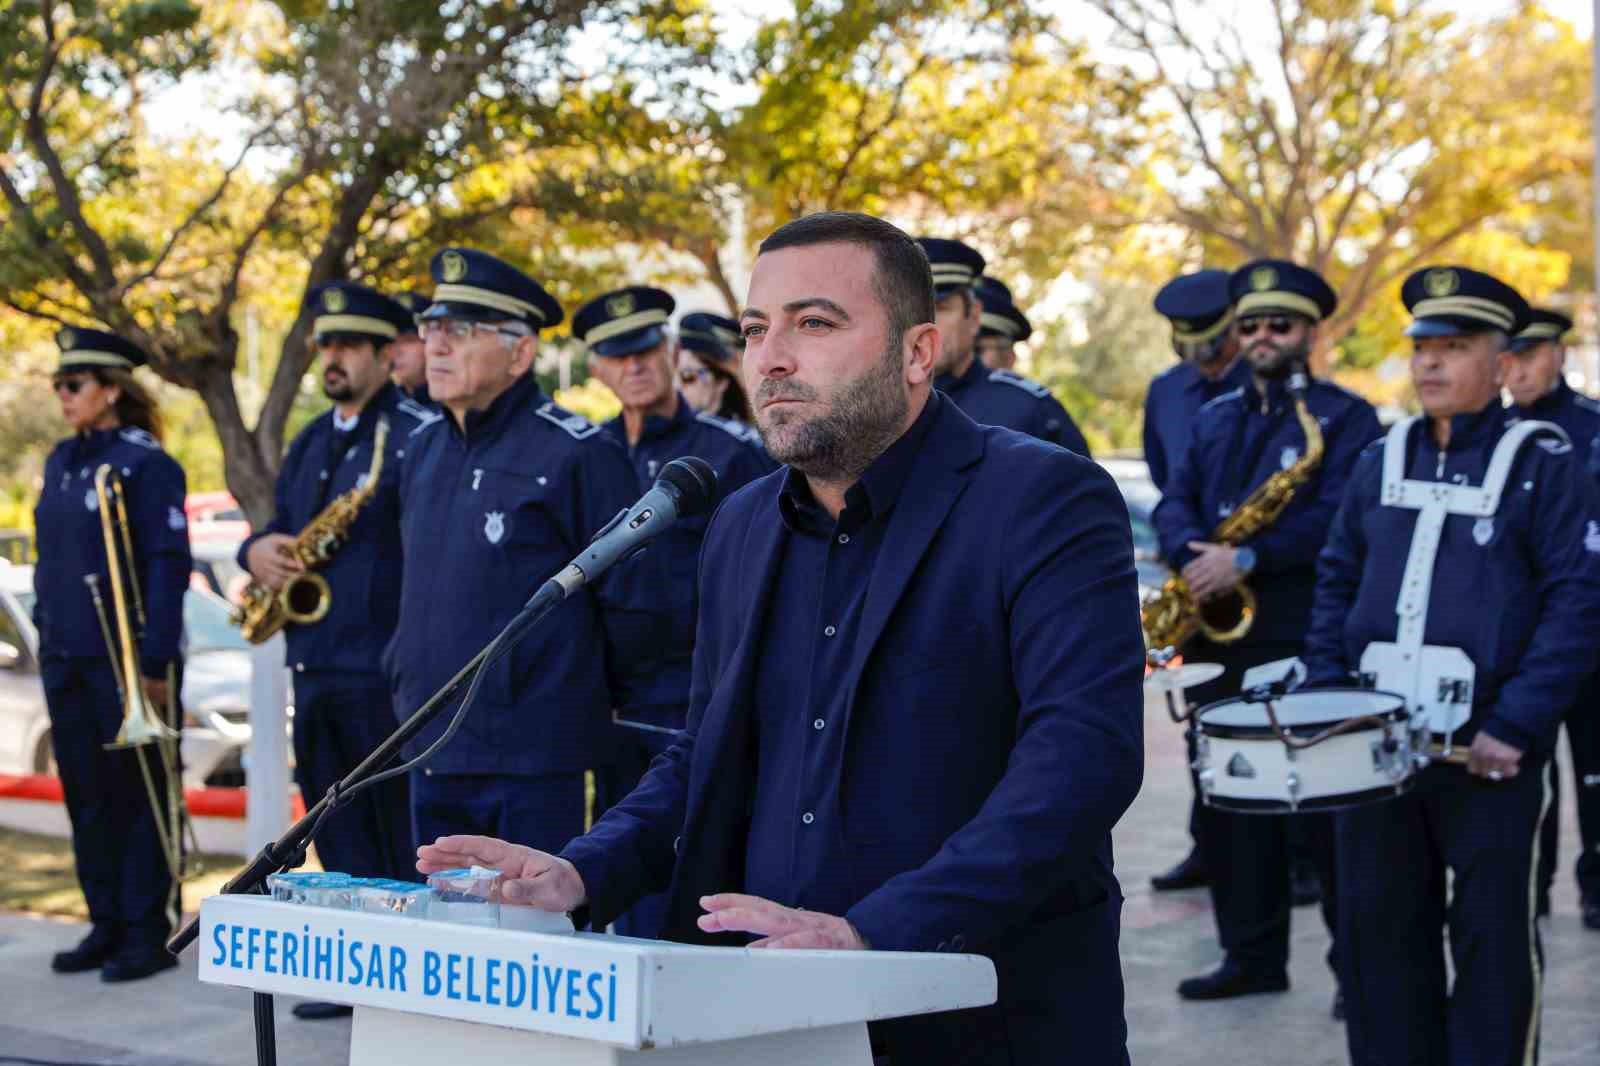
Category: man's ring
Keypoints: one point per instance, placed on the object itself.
(1496, 775)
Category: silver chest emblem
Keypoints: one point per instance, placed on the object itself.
(91, 501)
(494, 526)
(1287, 457)
(1483, 531)
(1591, 539)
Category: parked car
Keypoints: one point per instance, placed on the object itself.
(1141, 495)
(216, 687)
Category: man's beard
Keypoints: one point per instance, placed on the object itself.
(1283, 361)
(339, 390)
(865, 418)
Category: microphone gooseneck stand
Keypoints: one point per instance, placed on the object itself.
(686, 486)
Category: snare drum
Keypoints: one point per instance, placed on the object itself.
(1244, 766)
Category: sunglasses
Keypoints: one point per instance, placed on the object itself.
(689, 376)
(72, 385)
(1278, 325)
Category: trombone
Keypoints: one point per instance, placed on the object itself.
(143, 726)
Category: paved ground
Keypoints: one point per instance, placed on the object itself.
(173, 1020)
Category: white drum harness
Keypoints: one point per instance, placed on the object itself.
(1436, 681)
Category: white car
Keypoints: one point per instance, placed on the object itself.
(216, 687)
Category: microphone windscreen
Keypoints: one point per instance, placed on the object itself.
(694, 482)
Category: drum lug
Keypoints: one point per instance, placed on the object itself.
(1205, 778)
(1292, 783)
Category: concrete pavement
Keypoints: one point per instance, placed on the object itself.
(173, 1020)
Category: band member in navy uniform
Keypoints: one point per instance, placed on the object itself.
(494, 501)
(405, 351)
(707, 365)
(1001, 326)
(1536, 380)
(1239, 440)
(990, 397)
(1479, 603)
(1200, 308)
(121, 866)
(629, 350)
(863, 631)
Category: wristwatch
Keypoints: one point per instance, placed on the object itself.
(1244, 559)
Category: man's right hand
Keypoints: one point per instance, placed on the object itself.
(270, 561)
(530, 878)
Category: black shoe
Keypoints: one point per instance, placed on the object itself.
(1190, 873)
(1591, 913)
(1230, 980)
(92, 951)
(313, 1010)
(1338, 1006)
(1304, 887)
(135, 963)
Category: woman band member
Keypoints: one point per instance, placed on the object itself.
(122, 867)
(708, 366)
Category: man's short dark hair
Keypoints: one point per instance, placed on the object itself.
(901, 278)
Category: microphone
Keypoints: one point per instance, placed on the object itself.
(685, 487)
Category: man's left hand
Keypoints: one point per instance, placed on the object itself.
(156, 691)
(1212, 570)
(1494, 759)
(777, 925)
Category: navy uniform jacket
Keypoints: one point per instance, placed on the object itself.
(1574, 412)
(1005, 398)
(1524, 605)
(998, 649)
(734, 452)
(486, 517)
(1169, 409)
(67, 530)
(1233, 448)
(364, 576)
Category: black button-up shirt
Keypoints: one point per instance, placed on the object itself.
(796, 845)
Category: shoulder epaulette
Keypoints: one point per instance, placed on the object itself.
(737, 430)
(134, 435)
(1012, 378)
(1230, 396)
(424, 415)
(573, 425)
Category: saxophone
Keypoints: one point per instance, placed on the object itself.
(1173, 616)
(305, 598)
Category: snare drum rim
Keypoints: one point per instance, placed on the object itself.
(1397, 714)
(1341, 801)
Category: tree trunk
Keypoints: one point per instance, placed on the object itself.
(249, 473)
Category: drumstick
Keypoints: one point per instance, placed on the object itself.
(1455, 756)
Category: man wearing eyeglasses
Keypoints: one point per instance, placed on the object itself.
(500, 497)
(629, 350)
(1238, 441)
(341, 699)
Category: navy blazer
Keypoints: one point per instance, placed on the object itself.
(1175, 396)
(994, 737)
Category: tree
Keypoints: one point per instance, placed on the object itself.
(1371, 138)
(347, 167)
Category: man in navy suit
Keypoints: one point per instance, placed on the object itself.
(916, 709)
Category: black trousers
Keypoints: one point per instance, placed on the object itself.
(339, 719)
(1249, 855)
(1392, 863)
(1583, 742)
(121, 868)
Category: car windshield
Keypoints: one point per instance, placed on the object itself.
(206, 625)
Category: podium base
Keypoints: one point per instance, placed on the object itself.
(393, 1038)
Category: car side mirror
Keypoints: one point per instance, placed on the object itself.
(10, 656)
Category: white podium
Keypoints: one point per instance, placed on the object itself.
(428, 993)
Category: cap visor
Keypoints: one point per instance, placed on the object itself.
(705, 347)
(630, 343)
(1439, 327)
(470, 312)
